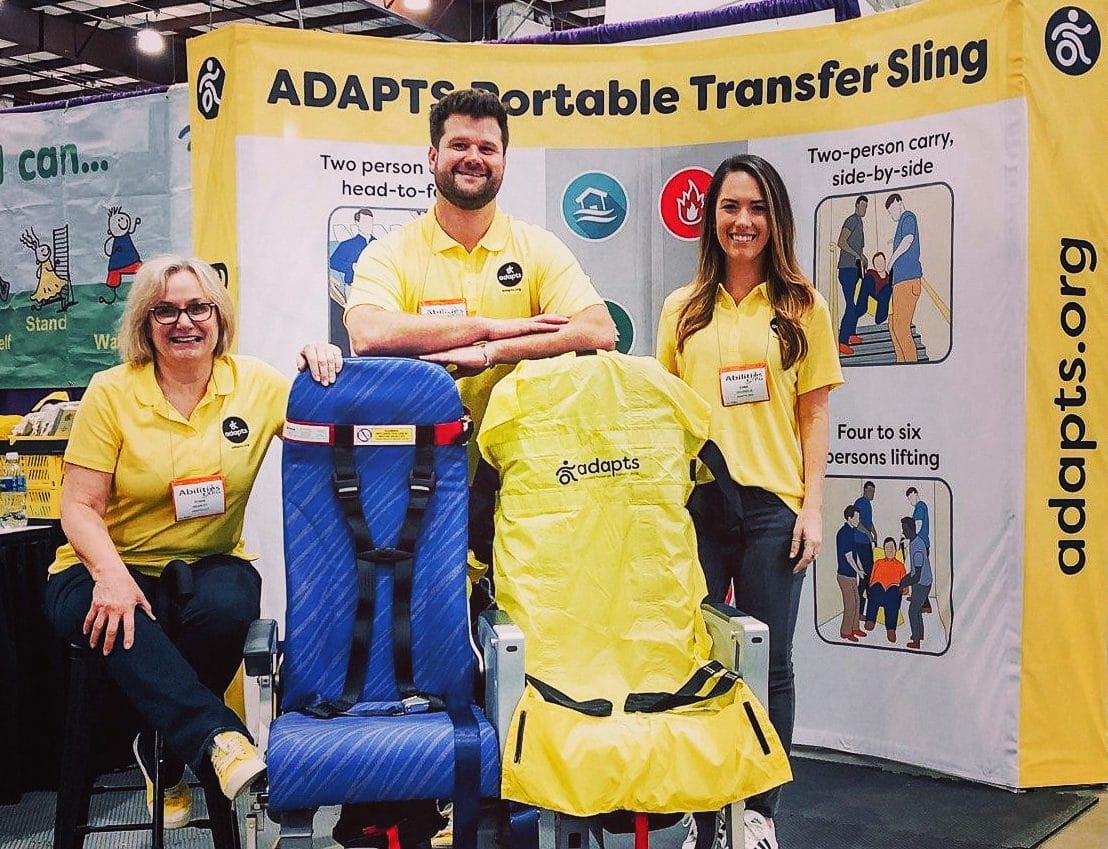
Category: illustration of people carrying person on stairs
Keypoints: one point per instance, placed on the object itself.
(895, 280)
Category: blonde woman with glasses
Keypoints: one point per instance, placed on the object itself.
(164, 451)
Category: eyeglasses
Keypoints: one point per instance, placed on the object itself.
(169, 314)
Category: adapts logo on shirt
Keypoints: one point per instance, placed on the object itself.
(509, 274)
(235, 429)
(572, 472)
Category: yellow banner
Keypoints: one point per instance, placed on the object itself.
(951, 145)
(1064, 692)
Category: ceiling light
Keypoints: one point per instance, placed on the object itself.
(417, 5)
(150, 41)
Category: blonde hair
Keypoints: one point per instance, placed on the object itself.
(135, 346)
(790, 294)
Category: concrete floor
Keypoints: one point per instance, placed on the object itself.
(1088, 831)
(28, 825)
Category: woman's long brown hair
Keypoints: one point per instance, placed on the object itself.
(790, 293)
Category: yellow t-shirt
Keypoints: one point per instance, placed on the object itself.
(125, 427)
(761, 441)
(517, 270)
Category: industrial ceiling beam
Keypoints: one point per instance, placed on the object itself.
(112, 49)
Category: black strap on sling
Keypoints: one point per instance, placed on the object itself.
(592, 707)
(713, 458)
(688, 694)
(482, 504)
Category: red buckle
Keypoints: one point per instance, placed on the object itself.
(455, 432)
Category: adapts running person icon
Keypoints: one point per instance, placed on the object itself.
(209, 87)
(1072, 40)
(565, 473)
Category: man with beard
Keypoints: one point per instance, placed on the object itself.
(466, 284)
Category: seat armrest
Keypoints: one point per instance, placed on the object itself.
(260, 651)
(741, 643)
(502, 648)
(260, 659)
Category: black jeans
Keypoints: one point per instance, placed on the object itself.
(176, 684)
(755, 558)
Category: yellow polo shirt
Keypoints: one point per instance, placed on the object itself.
(125, 427)
(517, 270)
(761, 441)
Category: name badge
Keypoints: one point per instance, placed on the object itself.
(197, 497)
(746, 384)
(444, 309)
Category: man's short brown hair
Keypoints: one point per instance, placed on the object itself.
(473, 103)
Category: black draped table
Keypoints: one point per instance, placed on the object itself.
(32, 698)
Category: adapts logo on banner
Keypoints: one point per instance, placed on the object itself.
(572, 472)
(1072, 40)
(209, 87)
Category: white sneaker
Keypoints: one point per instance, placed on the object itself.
(690, 837)
(445, 837)
(720, 841)
(759, 832)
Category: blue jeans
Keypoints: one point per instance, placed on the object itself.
(915, 609)
(864, 553)
(754, 557)
(848, 325)
(175, 684)
(880, 298)
(887, 599)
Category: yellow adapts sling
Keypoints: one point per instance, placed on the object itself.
(595, 559)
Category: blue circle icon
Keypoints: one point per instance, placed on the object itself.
(594, 206)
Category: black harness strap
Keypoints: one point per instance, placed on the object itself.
(369, 557)
(348, 491)
(592, 707)
(713, 458)
(689, 693)
(421, 485)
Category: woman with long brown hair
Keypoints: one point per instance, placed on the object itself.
(753, 337)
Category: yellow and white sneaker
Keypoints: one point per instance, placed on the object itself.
(236, 762)
(177, 808)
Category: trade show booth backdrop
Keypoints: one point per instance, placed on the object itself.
(88, 191)
(983, 120)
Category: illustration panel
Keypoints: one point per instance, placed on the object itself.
(884, 578)
(884, 261)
